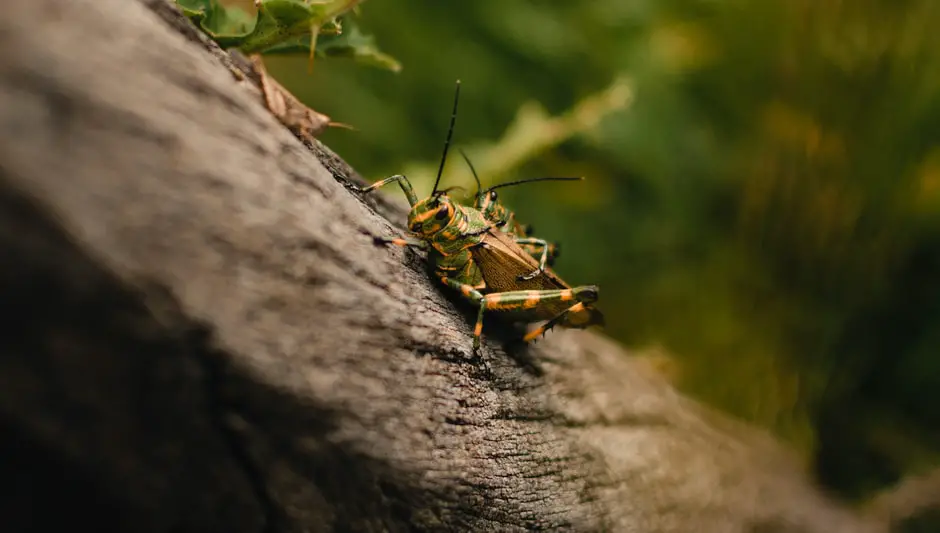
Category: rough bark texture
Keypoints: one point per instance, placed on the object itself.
(199, 334)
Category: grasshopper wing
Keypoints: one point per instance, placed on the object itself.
(502, 261)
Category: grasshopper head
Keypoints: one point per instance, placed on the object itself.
(494, 211)
(431, 215)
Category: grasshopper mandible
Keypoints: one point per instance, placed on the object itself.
(487, 202)
(485, 265)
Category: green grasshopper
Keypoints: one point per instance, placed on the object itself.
(469, 254)
(487, 202)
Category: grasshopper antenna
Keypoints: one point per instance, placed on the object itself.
(450, 133)
(532, 180)
(472, 170)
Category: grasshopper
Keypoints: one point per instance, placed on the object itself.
(487, 202)
(486, 266)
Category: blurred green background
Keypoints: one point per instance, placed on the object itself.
(762, 199)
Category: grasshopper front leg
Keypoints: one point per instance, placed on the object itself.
(404, 243)
(402, 182)
(518, 301)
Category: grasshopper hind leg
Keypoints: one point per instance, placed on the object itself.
(587, 295)
(521, 301)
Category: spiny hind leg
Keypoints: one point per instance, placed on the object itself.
(513, 300)
(525, 300)
(531, 244)
(586, 295)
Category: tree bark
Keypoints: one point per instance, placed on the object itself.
(199, 334)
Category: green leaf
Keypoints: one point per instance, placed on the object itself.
(288, 27)
(231, 21)
(275, 22)
(351, 43)
(279, 21)
(194, 9)
(227, 26)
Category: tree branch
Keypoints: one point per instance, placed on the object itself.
(200, 335)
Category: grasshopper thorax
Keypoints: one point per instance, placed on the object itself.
(432, 214)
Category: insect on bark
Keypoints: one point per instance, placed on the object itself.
(487, 202)
(485, 265)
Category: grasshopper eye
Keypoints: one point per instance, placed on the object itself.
(443, 212)
(492, 196)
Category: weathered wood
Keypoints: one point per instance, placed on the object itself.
(199, 334)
